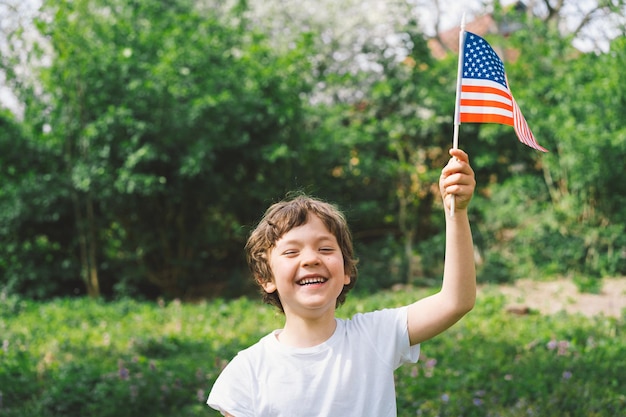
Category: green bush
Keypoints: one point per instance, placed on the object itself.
(523, 235)
(77, 357)
(380, 265)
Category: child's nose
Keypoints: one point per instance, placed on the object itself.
(310, 257)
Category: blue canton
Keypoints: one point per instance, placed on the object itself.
(481, 61)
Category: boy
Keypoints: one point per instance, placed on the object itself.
(301, 256)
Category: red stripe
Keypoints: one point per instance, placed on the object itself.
(484, 90)
(486, 103)
(486, 118)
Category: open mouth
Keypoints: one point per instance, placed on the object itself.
(312, 281)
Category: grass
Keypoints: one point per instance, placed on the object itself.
(77, 357)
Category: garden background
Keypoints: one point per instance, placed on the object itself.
(145, 138)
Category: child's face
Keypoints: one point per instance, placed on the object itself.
(308, 269)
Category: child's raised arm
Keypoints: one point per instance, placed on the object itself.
(432, 315)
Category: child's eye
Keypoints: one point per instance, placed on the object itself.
(290, 252)
(327, 250)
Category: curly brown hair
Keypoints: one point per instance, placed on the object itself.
(285, 215)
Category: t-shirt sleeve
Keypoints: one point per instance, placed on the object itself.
(406, 353)
(389, 335)
(232, 392)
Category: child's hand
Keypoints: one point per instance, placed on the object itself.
(457, 181)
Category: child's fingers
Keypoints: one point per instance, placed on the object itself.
(457, 165)
(459, 154)
(457, 178)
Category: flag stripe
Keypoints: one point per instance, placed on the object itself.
(469, 89)
(487, 97)
(523, 131)
(485, 103)
(481, 110)
(486, 118)
(479, 83)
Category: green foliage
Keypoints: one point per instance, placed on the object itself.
(110, 359)
(158, 117)
(515, 366)
(35, 214)
(557, 214)
(156, 134)
(381, 265)
(82, 357)
(588, 284)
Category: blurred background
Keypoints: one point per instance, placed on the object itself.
(141, 140)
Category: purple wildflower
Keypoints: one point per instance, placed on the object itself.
(430, 363)
(200, 395)
(123, 373)
(567, 375)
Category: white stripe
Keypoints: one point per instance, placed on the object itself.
(486, 110)
(486, 96)
(475, 82)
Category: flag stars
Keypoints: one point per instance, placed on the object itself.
(480, 61)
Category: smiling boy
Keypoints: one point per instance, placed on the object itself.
(301, 255)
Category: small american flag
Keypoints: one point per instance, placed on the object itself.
(485, 95)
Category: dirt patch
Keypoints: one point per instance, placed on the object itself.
(551, 297)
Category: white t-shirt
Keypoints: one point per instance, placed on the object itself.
(351, 374)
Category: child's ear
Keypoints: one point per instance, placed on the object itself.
(268, 285)
(346, 279)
